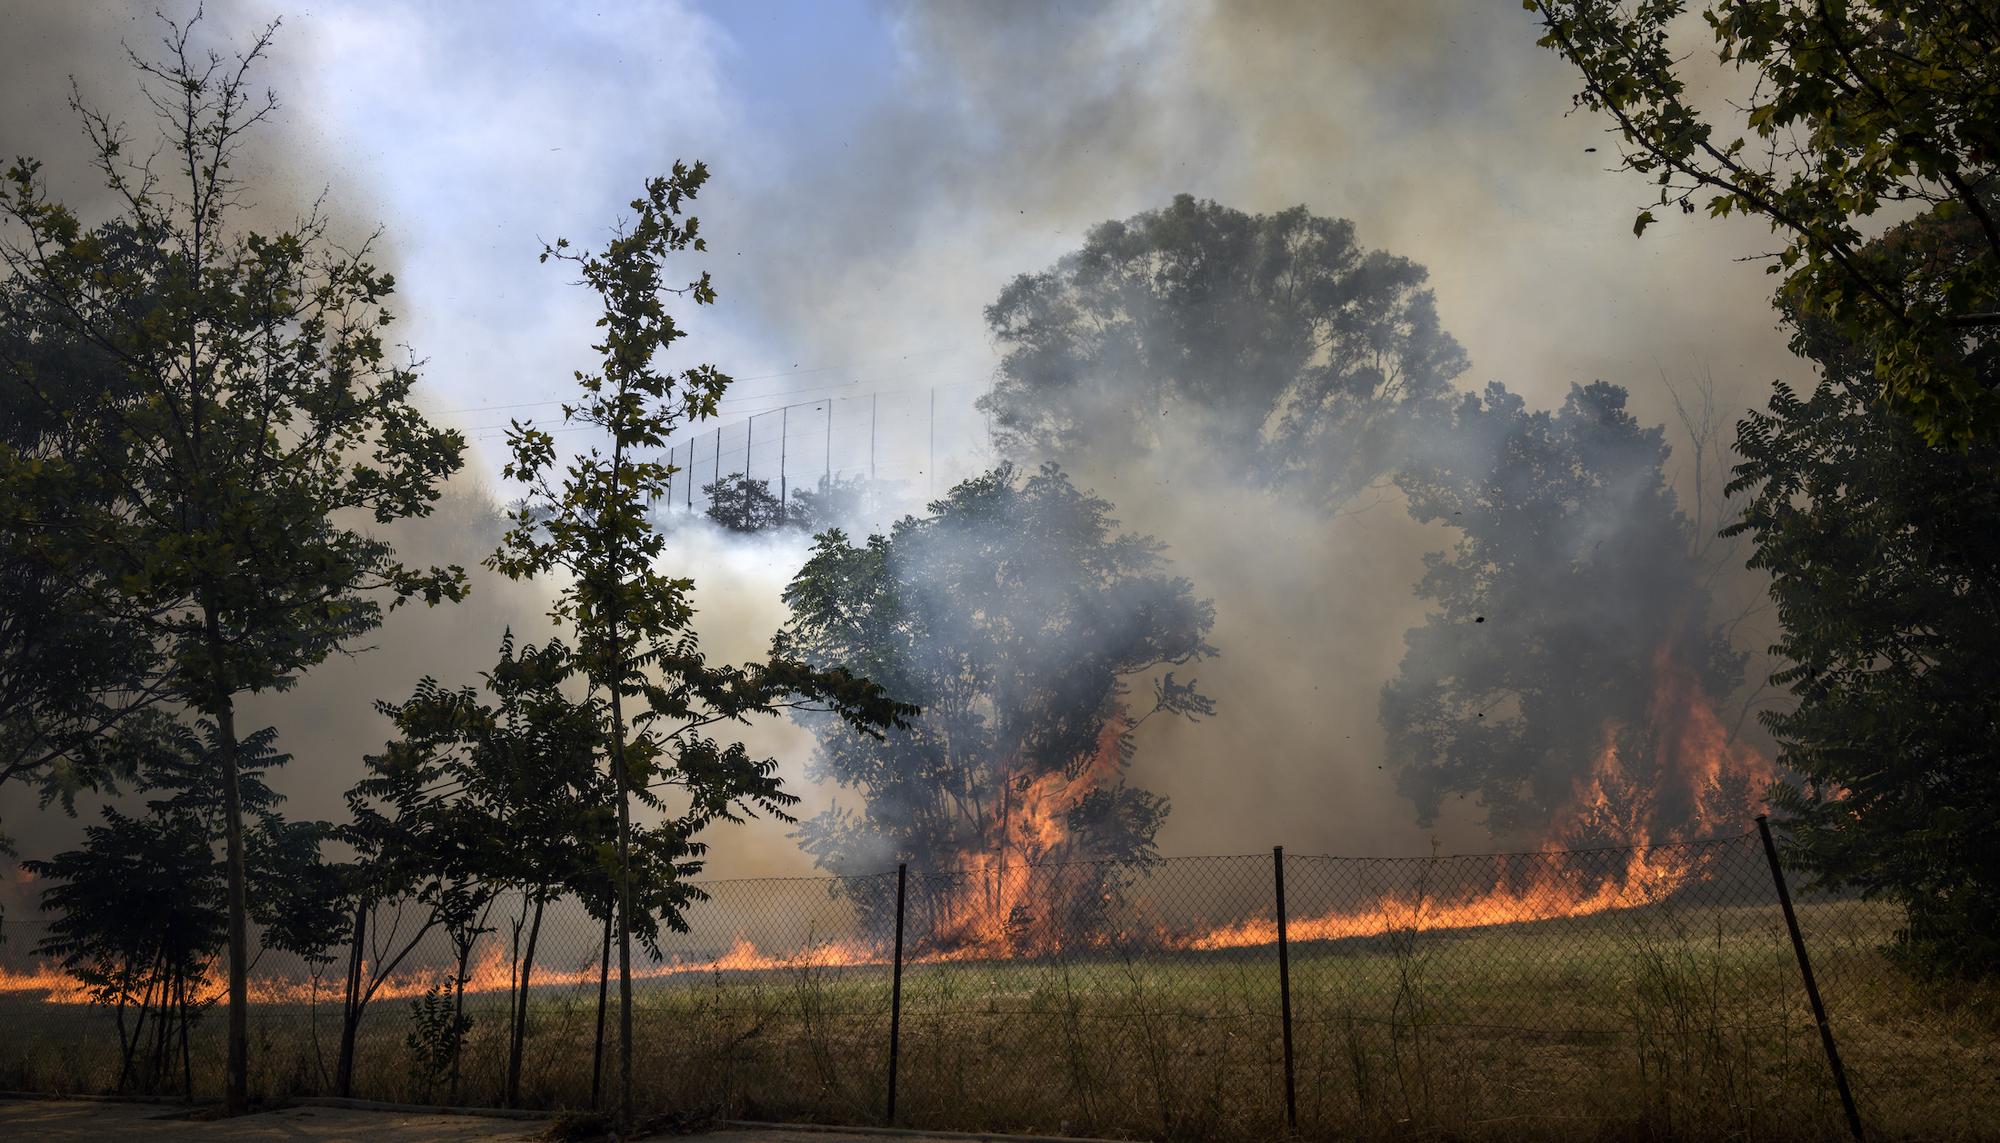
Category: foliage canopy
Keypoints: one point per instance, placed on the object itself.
(214, 497)
(1886, 108)
(1304, 358)
(1884, 555)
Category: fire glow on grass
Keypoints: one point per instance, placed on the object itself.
(1686, 780)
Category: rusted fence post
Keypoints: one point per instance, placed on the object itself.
(896, 990)
(1285, 990)
(1806, 971)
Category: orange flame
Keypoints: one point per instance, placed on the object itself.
(995, 914)
(491, 970)
(1690, 779)
(1698, 782)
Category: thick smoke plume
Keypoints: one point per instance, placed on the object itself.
(1438, 128)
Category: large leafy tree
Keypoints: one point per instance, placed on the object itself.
(1884, 557)
(636, 647)
(1861, 114)
(1571, 591)
(1303, 356)
(214, 497)
(1015, 614)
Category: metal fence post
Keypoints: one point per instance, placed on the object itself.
(1285, 990)
(1806, 971)
(896, 991)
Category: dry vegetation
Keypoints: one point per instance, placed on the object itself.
(1655, 1023)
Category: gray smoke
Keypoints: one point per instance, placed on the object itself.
(1437, 126)
(327, 723)
(1442, 131)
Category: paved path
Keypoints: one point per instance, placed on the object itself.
(75, 1120)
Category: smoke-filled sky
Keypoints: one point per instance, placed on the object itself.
(880, 169)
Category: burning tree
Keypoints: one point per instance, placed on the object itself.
(1014, 615)
(1570, 676)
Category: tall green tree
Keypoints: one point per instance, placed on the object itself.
(1861, 114)
(1884, 557)
(217, 497)
(1304, 358)
(1016, 615)
(588, 520)
(1571, 590)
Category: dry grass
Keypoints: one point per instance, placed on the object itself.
(1654, 1025)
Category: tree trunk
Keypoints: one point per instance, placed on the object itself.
(624, 909)
(521, 1011)
(124, 1045)
(603, 988)
(130, 1072)
(350, 1012)
(458, 1011)
(187, 1054)
(236, 1087)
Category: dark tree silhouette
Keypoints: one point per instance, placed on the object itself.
(141, 910)
(635, 645)
(1884, 556)
(216, 500)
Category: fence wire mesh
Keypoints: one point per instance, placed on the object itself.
(1553, 993)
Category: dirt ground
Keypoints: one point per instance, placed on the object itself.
(68, 1120)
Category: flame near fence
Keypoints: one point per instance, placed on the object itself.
(1556, 993)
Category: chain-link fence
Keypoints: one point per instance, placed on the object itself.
(902, 446)
(1618, 992)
